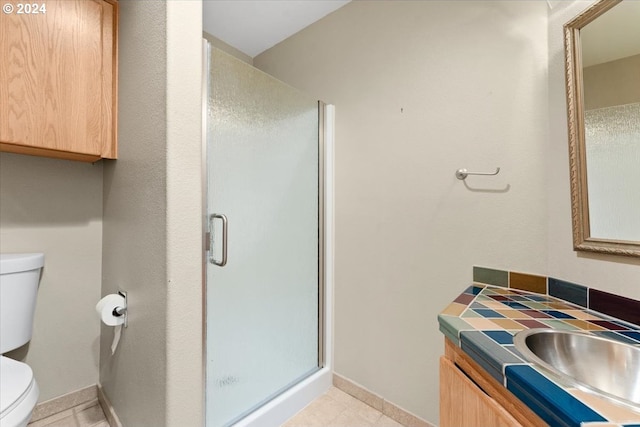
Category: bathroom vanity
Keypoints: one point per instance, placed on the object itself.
(470, 397)
(486, 380)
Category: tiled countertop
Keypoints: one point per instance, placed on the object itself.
(483, 320)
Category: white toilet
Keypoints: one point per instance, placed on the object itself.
(19, 278)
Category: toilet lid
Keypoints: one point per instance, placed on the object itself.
(16, 379)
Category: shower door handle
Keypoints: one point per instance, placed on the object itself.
(225, 222)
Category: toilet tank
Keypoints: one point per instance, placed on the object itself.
(19, 278)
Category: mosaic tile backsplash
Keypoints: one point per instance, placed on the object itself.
(613, 305)
(485, 317)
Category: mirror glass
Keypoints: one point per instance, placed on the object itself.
(603, 92)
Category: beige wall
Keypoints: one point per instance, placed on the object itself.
(152, 243)
(152, 218)
(134, 223)
(612, 83)
(619, 275)
(216, 42)
(422, 89)
(55, 206)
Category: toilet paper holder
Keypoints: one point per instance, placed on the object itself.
(122, 311)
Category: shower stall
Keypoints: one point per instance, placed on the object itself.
(267, 149)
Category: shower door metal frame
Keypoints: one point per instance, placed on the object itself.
(206, 249)
(321, 236)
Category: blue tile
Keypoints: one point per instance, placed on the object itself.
(568, 291)
(487, 313)
(549, 401)
(486, 352)
(516, 305)
(501, 337)
(481, 360)
(558, 314)
(538, 298)
(473, 290)
(631, 334)
(554, 420)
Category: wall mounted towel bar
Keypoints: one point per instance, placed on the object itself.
(463, 173)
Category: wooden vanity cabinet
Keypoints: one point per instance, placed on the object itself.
(470, 397)
(58, 79)
(463, 403)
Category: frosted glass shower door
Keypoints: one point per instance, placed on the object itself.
(263, 173)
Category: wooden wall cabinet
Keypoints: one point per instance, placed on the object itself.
(470, 397)
(58, 78)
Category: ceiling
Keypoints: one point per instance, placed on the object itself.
(611, 36)
(253, 26)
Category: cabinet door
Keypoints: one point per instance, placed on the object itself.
(57, 78)
(464, 404)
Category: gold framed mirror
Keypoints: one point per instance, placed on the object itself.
(602, 53)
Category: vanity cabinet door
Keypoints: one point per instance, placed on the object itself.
(58, 78)
(464, 404)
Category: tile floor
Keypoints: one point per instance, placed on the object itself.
(338, 409)
(333, 409)
(88, 414)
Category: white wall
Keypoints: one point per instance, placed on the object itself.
(185, 373)
(619, 275)
(55, 206)
(422, 89)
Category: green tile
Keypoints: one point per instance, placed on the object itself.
(453, 324)
(490, 276)
(454, 339)
(536, 305)
(558, 324)
(470, 313)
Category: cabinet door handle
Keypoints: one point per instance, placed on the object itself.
(225, 223)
